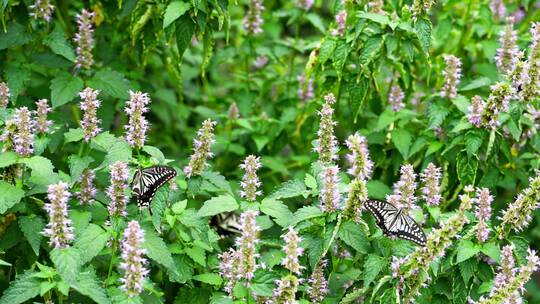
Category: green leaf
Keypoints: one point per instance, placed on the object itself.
(155, 153)
(423, 28)
(25, 287)
(9, 196)
(88, 284)
(340, 56)
(8, 158)
(64, 88)
(112, 83)
(467, 269)
(218, 204)
(353, 235)
(90, 242)
(357, 96)
(59, 44)
(316, 21)
(215, 182)
(185, 28)
(17, 77)
(402, 140)
(315, 248)
(68, 263)
(197, 254)
(32, 226)
(465, 250)
(42, 170)
(77, 165)
(119, 151)
(476, 83)
(377, 18)
(466, 169)
(372, 267)
(73, 135)
(305, 213)
(209, 278)
(289, 189)
(276, 209)
(327, 50)
(492, 250)
(157, 250)
(173, 11)
(16, 35)
(370, 49)
(377, 189)
(310, 181)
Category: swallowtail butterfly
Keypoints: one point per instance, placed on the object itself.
(146, 181)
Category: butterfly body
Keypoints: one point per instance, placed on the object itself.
(395, 222)
(227, 223)
(146, 181)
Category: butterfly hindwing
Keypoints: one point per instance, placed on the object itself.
(148, 180)
(396, 222)
(227, 223)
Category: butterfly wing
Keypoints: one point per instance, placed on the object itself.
(384, 214)
(227, 223)
(146, 182)
(406, 228)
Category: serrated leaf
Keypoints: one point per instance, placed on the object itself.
(119, 151)
(88, 284)
(59, 44)
(466, 169)
(476, 84)
(217, 182)
(185, 28)
(289, 189)
(77, 165)
(22, 289)
(370, 48)
(173, 11)
(358, 91)
(9, 196)
(155, 153)
(467, 269)
(209, 278)
(465, 250)
(68, 263)
(327, 50)
(353, 235)
(372, 267)
(402, 140)
(423, 28)
(316, 21)
(377, 189)
(17, 77)
(157, 250)
(15, 35)
(64, 88)
(218, 204)
(492, 250)
(90, 242)
(8, 158)
(277, 210)
(73, 135)
(305, 213)
(32, 226)
(112, 83)
(42, 170)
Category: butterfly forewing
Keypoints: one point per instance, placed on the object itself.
(146, 182)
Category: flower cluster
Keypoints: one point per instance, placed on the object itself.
(59, 227)
(395, 98)
(305, 88)
(250, 181)
(137, 125)
(253, 19)
(498, 102)
(361, 164)
(133, 261)
(233, 112)
(4, 95)
(403, 196)
(285, 292)
(42, 9)
(518, 214)
(42, 124)
(247, 245)
(376, 7)
(476, 110)
(85, 39)
(421, 7)
(326, 144)
(304, 4)
(498, 9)
(229, 268)
(88, 192)
(89, 105)
(530, 75)
(201, 149)
(23, 139)
(329, 195)
(451, 75)
(117, 190)
(292, 251)
(483, 202)
(341, 22)
(357, 196)
(508, 54)
(318, 285)
(431, 190)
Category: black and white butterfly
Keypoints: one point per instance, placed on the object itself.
(227, 223)
(146, 181)
(395, 222)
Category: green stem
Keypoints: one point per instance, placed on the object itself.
(113, 251)
(334, 234)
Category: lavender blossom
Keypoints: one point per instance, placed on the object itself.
(361, 164)
(253, 19)
(508, 53)
(85, 39)
(229, 269)
(530, 76)
(518, 214)
(133, 261)
(476, 110)
(260, 62)
(201, 149)
(89, 105)
(305, 90)
(42, 124)
(403, 196)
(233, 112)
(318, 286)
(395, 98)
(285, 292)
(8, 135)
(376, 7)
(23, 139)
(498, 101)
(42, 9)
(519, 14)
(421, 7)
(250, 181)
(304, 4)
(431, 190)
(341, 22)
(59, 227)
(358, 195)
(326, 144)
(329, 195)
(88, 192)
(4, 95)
(497, 9)
(137, 126)
(247, 245)
(451, 75)
(506, 271)
(483, 202)
(117, 190)
(292, 252)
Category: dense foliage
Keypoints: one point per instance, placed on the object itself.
(284, 118)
